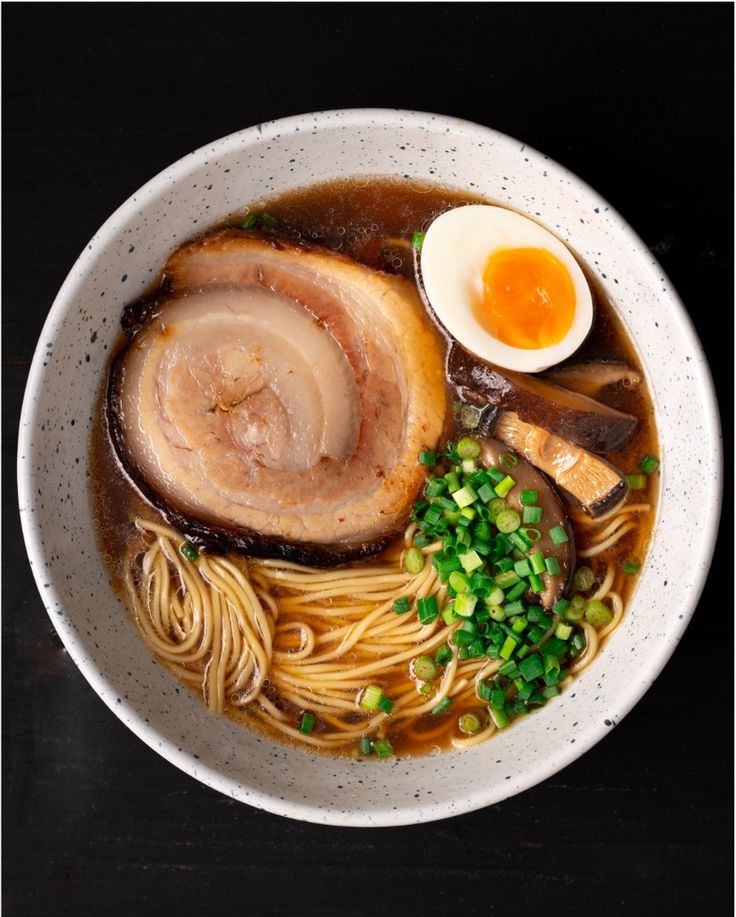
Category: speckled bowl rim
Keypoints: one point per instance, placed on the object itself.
(560, 756)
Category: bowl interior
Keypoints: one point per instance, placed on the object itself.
(116, 267)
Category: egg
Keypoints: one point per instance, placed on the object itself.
(505, 288)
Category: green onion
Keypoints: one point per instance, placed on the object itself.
(504, 565)
(371, 697)
(558, 534)
(453, 482)
(417, 240)
(509, 645)
(425, 668)
(528, 497)
(509, 460)
(485, 690)
(436, 487)
(522, 567)
(482, 532)
(306, 724)
(465, 496)
(268, 220)
(428, 458)
(467, 512)
(598, 614)
(550, 691)
(636, 481)
(487, 494)
(250, 221)
(504, 486)
(516, 591)
(471, 561)
(537, 562)
(448, 613)
(531, 667)
(426, 689)
(495, 596)
(496, 506)
(464, 604)
(633, 565)
(531, 535)
(509, 669)
(508, 520)
(382, 748)
(443, 654)
(427, 609)
(385, 705)
(498, 698)
(563, 631)
(531, 515)
(497, 613)
(561, 606)
(583, 579)
(188, 550)
(432, 516)
(506, 579)
(536, 584)
(365, 746)
(578, 642)
(500, 718)
(552, 565)
(536, 634)
(401, 605)
(443, 705)
(468, 448)
(514, 608)
(575, 610)
(519, 624)
(469, 724)
(519, 541)
(459, 581)
(414, 561)
(495, 474)
(649, 464)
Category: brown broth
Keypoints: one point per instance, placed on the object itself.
(371, 221)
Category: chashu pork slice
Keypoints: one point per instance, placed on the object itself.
(275, 400)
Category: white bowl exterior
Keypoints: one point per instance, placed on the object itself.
(116, 267)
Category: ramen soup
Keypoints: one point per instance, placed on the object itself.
(375, 468)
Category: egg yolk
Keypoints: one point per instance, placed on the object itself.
(528, 298)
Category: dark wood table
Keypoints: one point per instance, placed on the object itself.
(636, 99)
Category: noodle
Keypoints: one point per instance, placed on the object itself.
(271, 638)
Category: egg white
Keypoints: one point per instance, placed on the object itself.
(457, 246)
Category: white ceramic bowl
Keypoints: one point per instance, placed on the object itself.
(116, 266)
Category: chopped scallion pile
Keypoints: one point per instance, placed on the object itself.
(489, 563)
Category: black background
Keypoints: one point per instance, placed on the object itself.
(637, 100)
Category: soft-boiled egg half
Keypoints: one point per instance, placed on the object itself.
(505, 288)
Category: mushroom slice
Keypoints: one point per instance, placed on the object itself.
(582, 420)
(591, 378)
(275, 400)
(591, 480)
(527, 477)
